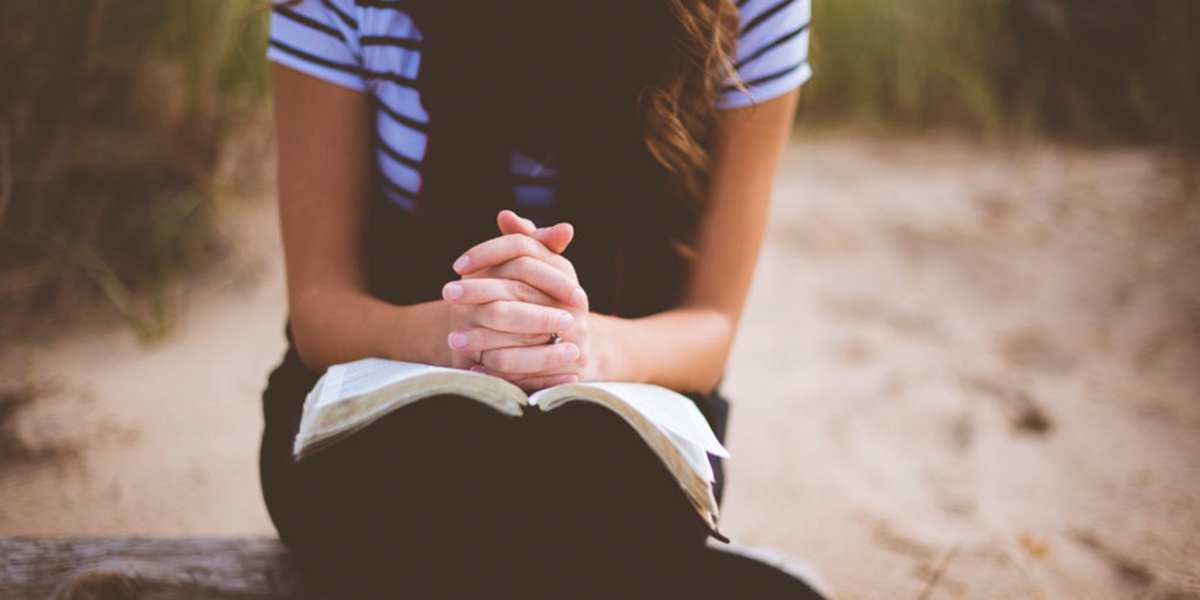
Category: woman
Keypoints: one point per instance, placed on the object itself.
(409, 132)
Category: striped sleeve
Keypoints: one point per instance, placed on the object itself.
(772, 50)
(319, 38)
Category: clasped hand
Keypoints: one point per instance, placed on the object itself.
(516, 291)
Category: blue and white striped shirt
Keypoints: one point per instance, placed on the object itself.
(374, 47)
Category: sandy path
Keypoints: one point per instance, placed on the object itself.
(125, 438)
(986, 355)
(963, 374)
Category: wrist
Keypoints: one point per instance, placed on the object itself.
(610, 336)
(418, 333)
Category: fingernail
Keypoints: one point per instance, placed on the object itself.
(460, 265)
(478, 369)
(458, 340)
(579, 298)
(564, 322)
(452, 291)
(529, 224)
(570, 353)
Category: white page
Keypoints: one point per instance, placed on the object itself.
(363, 376)
(694, 455)
(669, 411)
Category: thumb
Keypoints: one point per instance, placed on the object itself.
(510, 223)
(556, 238)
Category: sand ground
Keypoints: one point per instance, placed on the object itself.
(964, 372)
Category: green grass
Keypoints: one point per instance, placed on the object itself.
(890, 62)
(1098, 71)
(113, 119)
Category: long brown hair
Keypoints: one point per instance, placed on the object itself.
(678, 114)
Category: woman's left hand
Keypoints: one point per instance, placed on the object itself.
(520, 254)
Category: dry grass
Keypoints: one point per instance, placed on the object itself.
(112, 123)
(1107, 71)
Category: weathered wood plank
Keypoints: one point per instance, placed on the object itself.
(146, 568)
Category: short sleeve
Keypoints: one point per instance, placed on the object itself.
(319, 38)
(771, 57)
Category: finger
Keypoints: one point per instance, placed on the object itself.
(540, 383)
(556, 284)
(500, 250)
(561, 287)
(484, 290)
(497, 251)
(555, 239)
(479, 339)
(511, 222)
(530, 360)
(522, 317)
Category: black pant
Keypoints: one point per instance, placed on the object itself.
(449, 498)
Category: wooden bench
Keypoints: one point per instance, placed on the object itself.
(146, 568)
(163, 568)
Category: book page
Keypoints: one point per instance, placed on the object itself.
(695, 456)
(364, 376)
(670, 411)
(350, 396)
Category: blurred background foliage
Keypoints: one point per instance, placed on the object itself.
(118, 120)
(1091, 71)
(114, 120)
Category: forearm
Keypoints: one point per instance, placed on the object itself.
(683, 349)
(332, 326)
(686, 348)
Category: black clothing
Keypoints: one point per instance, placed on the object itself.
(449, 498)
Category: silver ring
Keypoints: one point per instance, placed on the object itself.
(554, 339)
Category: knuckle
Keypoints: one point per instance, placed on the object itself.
(497, 291)
(551, 320)
(524, 266)
(525, 292)
(500, 313)
(516, 244)
(528, 244)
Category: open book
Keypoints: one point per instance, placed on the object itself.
(350, 396)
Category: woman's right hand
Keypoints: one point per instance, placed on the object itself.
(520, 302)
